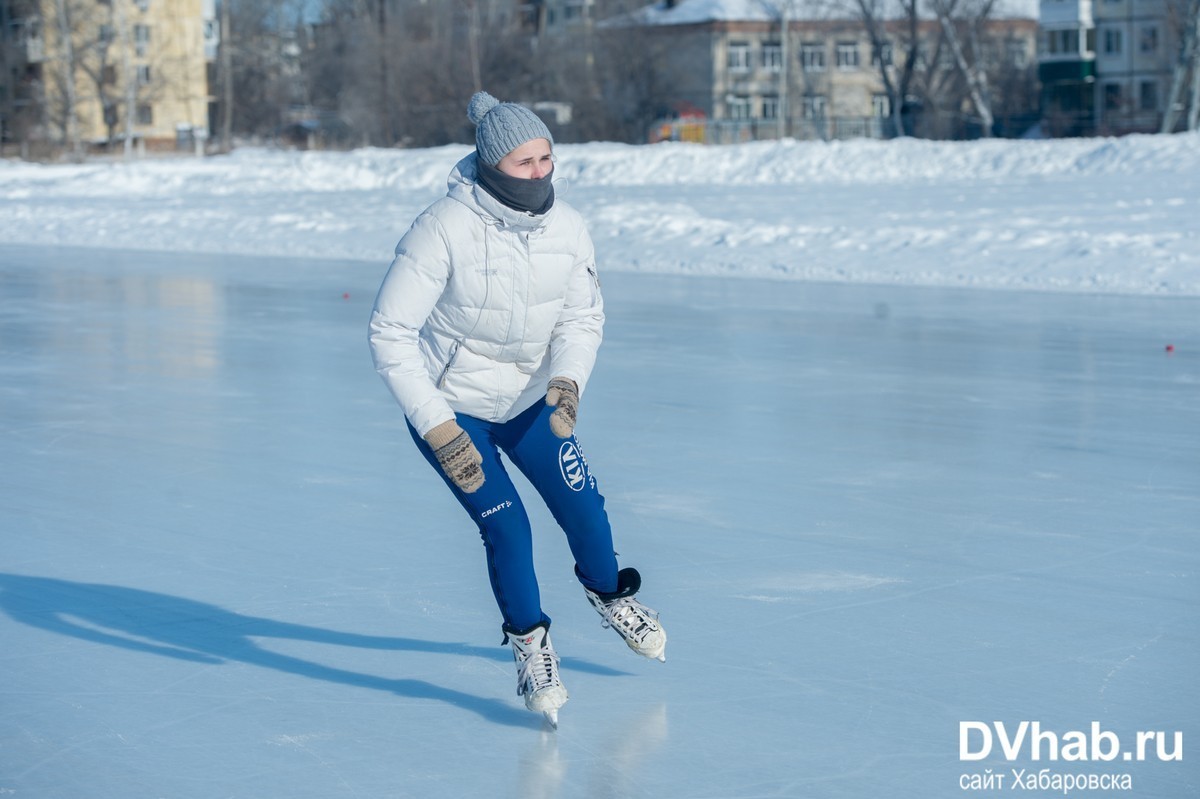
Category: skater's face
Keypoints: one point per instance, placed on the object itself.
(532, 160)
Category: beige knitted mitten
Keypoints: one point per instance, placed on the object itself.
(563, 395)
(456, 454)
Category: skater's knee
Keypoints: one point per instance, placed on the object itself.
(504, 522)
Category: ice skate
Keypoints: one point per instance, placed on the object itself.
(537, 671)
(632, 620)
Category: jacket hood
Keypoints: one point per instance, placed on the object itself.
(464, 188)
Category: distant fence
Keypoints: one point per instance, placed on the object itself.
(734, 131)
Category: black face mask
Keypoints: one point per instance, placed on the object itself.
(531, 195)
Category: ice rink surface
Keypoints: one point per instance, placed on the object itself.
(867, 515)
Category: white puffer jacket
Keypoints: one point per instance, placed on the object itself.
(483, 304)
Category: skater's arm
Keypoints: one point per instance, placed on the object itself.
(580, 327)
(414, 283)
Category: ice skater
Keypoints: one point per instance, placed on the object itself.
(486, 330)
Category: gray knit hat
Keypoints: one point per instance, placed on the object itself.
(501, 128)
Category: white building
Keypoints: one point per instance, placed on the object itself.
(1106, 65)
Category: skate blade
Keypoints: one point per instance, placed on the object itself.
(551, 717)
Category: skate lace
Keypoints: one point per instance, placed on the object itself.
(537, 672)
(629, 617)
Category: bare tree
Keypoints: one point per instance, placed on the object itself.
(931, 60)
(1013, 82)
(639, 80)
(1194, 116)
(84, 74)
(65, 77)
(260, 66)
(225, 54)
(895, 56)
(104, 60)
(970, 70)
(439, 54)
(1187, 64)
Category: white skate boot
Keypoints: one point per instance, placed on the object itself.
(632, 620)
(537, 671)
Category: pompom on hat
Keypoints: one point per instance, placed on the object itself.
(501, 128)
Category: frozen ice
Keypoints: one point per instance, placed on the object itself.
(867, 513)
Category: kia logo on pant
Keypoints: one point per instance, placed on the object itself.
(570, 461)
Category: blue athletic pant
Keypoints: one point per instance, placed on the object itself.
(558, 471)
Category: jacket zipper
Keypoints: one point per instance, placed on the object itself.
(449, 362)
(595, 285)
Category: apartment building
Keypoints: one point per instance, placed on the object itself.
(750, 72)
(831, 89)
(1106, 65)
(90, 73)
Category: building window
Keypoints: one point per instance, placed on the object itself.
(212, 39)
(1062, 42)
(847, 56)
(738, 57)
(739, 107)
(141, 39)
(772, 56)
(1112, 97)
(145, 115)
(1149, 42)
(143, 5)
(813, 106)
(1112, 42)
(1149, 95)
(812, 57)
(143, 75)
(575, 12)
(770, 106)
(880, 106)
(881, 55)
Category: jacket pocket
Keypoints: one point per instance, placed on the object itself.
(595, 284)
(441, 381)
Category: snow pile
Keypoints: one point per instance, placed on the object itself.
(858, 161)
(861, 161)
(1079, 214)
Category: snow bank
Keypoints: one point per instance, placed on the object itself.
(1074, 214)
(604, 164)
